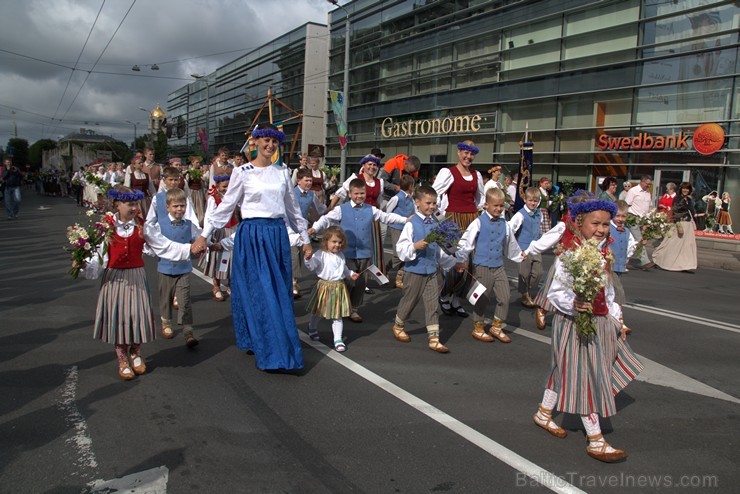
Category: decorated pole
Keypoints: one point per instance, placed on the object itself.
(526, 148)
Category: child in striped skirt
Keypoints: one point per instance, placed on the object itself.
(330, 298)
(587, 371)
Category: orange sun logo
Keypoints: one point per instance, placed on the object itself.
(708, 138)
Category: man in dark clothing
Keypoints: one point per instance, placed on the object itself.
(12, 181)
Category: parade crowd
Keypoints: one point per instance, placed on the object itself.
(252, 227)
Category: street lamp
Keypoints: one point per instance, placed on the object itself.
(134, 124)
(208, 106)
(345, 90)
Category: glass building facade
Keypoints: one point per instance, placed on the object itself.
(581, 74)
(219, 107)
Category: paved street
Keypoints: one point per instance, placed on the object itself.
(382, 417)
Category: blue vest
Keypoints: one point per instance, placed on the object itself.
(404, 207)
(357, 224)
(489, 247)
(619, 248)
(530, 229)
(181, 234)
(426, 260)
(304, 201)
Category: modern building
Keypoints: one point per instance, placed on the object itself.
(216, 109)
(607, 87)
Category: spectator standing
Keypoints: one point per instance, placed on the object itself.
(12, 180)
(640, 199)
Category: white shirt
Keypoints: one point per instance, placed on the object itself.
(334, 216)
(260, 192)
(163, 247)
(562, 297)
(407, 252)
(548, 240)
(491, 184)
(511, 190)
(315, 173)
(151, 215)
(470, 239)
(444, 180)
(516, 221)
(328, 266)
(639, 201)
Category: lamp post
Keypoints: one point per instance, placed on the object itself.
(345, 90)
(208, 106)
(134, 124)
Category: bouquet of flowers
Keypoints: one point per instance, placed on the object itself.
(194, 174)
(336, 171)
(654, 225)
(325, 170)
(101, 186)
(85, 240)
(446, 234)
(586, 276)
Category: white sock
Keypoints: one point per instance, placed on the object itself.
(313, 322)
(337, 327)
(549, 399)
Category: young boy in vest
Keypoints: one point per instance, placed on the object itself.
(527, 225)
(311, 207)
(173, 277)
(356, 219)
(402, 203)
(420, 269)
(623, 246)
(491, 238)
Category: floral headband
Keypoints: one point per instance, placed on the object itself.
(370, 159)
(221, 178)
(591, 206)
(466, 147)
(271, 133)
(118, 195)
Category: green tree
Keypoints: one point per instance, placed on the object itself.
(20, 151)
(159, 145)
(35, 152)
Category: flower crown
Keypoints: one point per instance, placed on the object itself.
(370, 159)
(467, 147)
(118, 195)
(272, 133)
(221, 178)
(591, 206)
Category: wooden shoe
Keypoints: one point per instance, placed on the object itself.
(548, 424)
(434, 344)
(497, 331)
(400, 334)
(218, 296)
(479, 332)
(125, 372)
(539, 318)
(599, 452)
(167, 330)
(190, 340)
(527, 301)
(137, 364)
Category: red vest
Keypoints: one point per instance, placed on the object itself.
(461, 194)
(217, 197)
(317, 183)
(372, 192)
(125, 253)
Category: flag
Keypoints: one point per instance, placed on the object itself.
(475, 292)
(203, 139)
(224, 266)
(377, 274)
(525, 172)
(337, 106)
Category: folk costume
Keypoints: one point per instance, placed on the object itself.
(528, 227)
(311, 209)
(403, 204)
(724, 220)
(197, 196)
(218, 264)
(677, 251)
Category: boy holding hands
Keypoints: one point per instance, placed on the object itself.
(421, 260)
(491, 238)
(311, 207)
(402, 203)
(527, 225)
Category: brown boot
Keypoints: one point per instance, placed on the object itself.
(400, 334)
(497, 331)
(539, 318)
(479, 332)
(599, 452)
(434, 344)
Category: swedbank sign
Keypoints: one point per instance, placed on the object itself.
(464, 124)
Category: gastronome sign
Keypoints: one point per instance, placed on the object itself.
(465, 124)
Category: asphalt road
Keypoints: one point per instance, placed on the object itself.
(382, 417)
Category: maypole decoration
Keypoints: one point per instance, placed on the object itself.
(337, 104)
(249, 149)
(526, 148)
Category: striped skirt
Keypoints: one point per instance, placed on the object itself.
(210, 263)
(377, 241)
(329, 300)
(454, 282)
(124, 315)
(587, 373)
(541, 298)
(198, 198)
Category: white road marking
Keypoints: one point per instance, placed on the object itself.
(152, 481)
(685, 317)
(521, 464)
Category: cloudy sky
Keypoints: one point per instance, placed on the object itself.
(41, 40)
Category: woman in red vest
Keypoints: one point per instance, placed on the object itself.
(461, 188)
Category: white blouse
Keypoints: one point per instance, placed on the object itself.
(444, 180)
(260, 192)
(328, 266)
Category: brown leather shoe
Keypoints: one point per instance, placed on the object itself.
(539, 318)
(527, 301)
(497, 331)
(125, 372)
(599, 452)
(137, 364)
(190, 340)
(479, 332)
(355, 317)
(400, 334)
(167, 330)
(434, 344)
(548, 424)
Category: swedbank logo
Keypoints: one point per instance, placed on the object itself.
(708, 138)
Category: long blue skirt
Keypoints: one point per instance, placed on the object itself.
(262, 294)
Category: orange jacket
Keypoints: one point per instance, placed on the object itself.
(396, 163)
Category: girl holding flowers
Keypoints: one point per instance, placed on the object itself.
(591, 360)
(124, 315)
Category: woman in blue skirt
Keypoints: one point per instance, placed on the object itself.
(261, 277)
